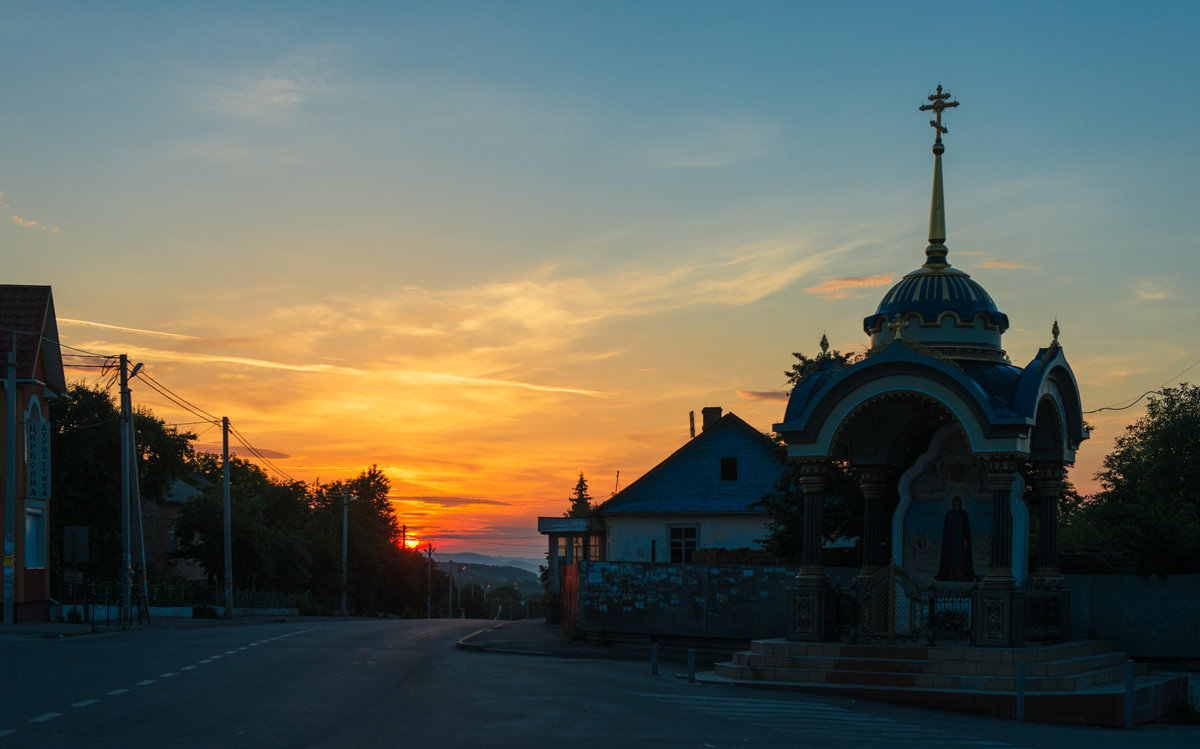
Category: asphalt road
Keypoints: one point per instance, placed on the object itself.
(402, 683)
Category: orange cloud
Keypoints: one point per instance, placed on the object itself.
(841, 288)
(1004, 264)
(778, 396)
(31, 224)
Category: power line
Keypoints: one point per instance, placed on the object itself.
(176, 398)
(1148, 392)
(257, 453)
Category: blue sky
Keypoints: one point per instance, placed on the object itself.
(497, 244)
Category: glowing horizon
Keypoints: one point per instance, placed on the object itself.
(486, 251)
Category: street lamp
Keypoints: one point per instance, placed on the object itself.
(347, 498)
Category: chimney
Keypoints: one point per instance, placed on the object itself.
(692, 423)
(711, 415)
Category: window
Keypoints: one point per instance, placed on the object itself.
(683, 542)
(593, 549)
(35, 535)
(729, 469)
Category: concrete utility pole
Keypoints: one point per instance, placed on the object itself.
(346, 500)
(228, 517)
(126, 579)
(10, 479)
(141, 536)
(429, 602)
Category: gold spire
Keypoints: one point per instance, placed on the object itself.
(936, 252)
(824, 344)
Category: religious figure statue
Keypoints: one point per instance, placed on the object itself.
(956, 564)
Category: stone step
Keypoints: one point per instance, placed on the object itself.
(979, 682)
(1029, 654)
(1059, 668)
(1154, 697)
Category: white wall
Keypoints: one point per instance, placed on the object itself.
(629, 536)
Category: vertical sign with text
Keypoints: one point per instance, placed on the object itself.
(37, 460)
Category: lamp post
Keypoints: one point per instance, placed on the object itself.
(347, 498)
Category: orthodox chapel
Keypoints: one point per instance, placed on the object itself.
(941, 425)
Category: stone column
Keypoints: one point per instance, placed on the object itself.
(997, 617)
(814, 478)
(874, 483)
(810, 604)
(1048, 481)
(1001, 474)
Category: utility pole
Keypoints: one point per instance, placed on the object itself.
(346, 500)
(126, 579)
(404, 537)
(10, 479)
(228, 517)
(141, 536)
(450, 593)
(429, 602)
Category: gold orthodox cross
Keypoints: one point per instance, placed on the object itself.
(939, 104)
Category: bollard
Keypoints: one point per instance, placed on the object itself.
(691, 665)
(1020, 691)
(654, 659)
(1129, 694)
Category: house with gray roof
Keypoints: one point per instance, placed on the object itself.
(703, 496)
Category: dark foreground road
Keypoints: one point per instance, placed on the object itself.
(402, 683)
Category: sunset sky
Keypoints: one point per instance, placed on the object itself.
(488, 246)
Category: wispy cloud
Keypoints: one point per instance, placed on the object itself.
(841, 288)
(449, 501)
(716, 144)
(105, 326)
(1155, 290)
(1004, 264)
(240, 452)
(775, 396)
(274, 93)
(31, 224)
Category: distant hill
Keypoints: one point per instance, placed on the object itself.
(529, 565)
(467, 573)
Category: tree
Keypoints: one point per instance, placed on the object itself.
(581, 501)
(1149, 505)
(842, 513)
(85, 440)
(805, 364)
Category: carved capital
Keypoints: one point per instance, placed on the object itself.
(1049, 472)
(1002, 471)
(874, 481)
(813, 473)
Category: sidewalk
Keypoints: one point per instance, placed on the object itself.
(536, 637)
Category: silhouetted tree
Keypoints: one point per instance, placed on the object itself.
(581, 501)
(1149, 506)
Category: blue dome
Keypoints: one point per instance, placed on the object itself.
(930, 293)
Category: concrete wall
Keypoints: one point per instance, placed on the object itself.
(1148, 617)
(684, 600)
(629, 536)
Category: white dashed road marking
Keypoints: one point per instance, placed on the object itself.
(44, 718)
